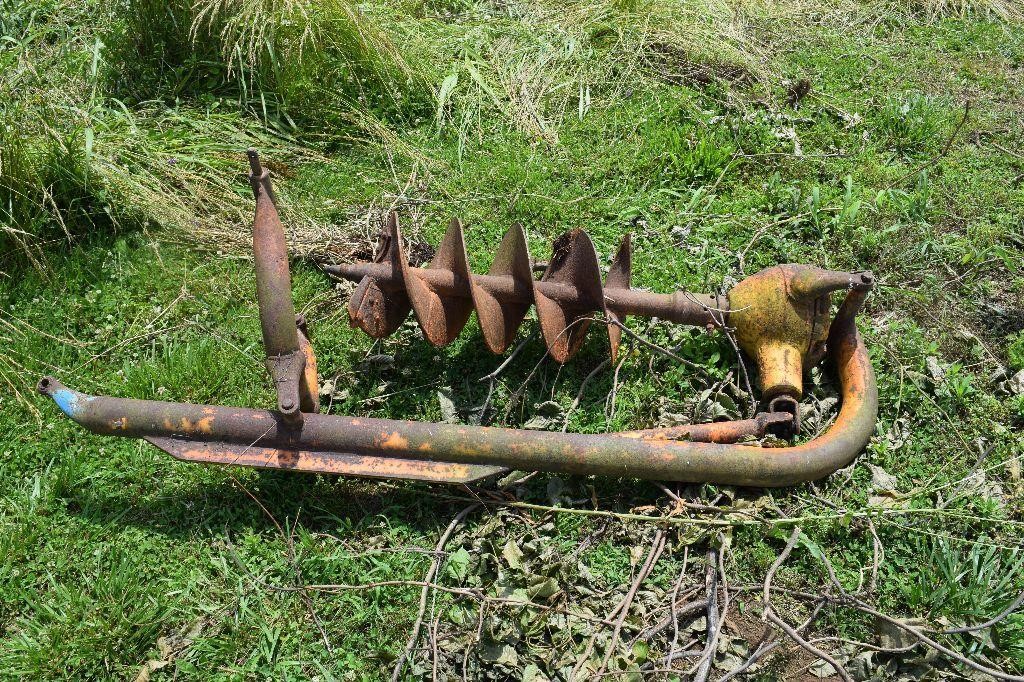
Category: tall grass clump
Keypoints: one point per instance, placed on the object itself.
(912, 122)
(43, 193)
(183, 170)
(1007, 10)
(295, 63)
(692, 42)
(179, 169)
(551, 62)
(76, 161)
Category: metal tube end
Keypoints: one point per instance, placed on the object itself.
(48, 386)
(69, 401)
(862, 281)
(774, 422)
(254, 162)
(785, 428)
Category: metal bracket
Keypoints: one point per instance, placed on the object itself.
(286, 372)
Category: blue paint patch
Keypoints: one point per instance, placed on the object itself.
(67, 401)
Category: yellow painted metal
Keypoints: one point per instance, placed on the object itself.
(781, 318)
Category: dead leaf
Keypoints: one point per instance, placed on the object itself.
(822, 669)
(449, 413)
(935, 370)
(1014, 385)
(893, 637)
(500, 653)
(882, 481)
(150, 667)
(547, 415)
(172, 645)
(531, 673)
(512, 554)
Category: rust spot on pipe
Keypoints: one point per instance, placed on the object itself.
(394, 441)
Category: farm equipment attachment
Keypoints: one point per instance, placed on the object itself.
(780, 318)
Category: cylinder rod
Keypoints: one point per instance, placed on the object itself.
(285, 360)
(273, 281)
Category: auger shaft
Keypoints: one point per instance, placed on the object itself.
(780, 315)
(567, 296)
(679, 307)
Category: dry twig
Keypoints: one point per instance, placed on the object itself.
(435, 565)
(769, 611)
(652, 557)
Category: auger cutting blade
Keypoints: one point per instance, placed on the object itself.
(442, 314)
(567, 295)
(499, 319)
(563, 320)
(376, 308)
(619, 277)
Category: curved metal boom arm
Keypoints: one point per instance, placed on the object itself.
(382, 447)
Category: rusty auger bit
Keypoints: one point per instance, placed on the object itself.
(780, 318)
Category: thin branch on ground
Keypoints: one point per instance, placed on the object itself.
(492, 378)
(769, 611)
(652, 558)
(766, 647)
(713, 627)
(659, 349)
(851, 601)
(680, 612)
(863, 607)
(718, 317)
(435, 565)
(609, 406)
(300, 585)
(512, 356)
(579, 394)
(303, 592)
(474, 639)
(673, 608)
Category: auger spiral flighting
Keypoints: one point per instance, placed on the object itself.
(444, 294)
(780, 315)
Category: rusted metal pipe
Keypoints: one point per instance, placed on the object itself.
(776, 423)
(335, 444)
(286, 360)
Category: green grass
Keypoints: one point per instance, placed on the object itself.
(124, 271)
